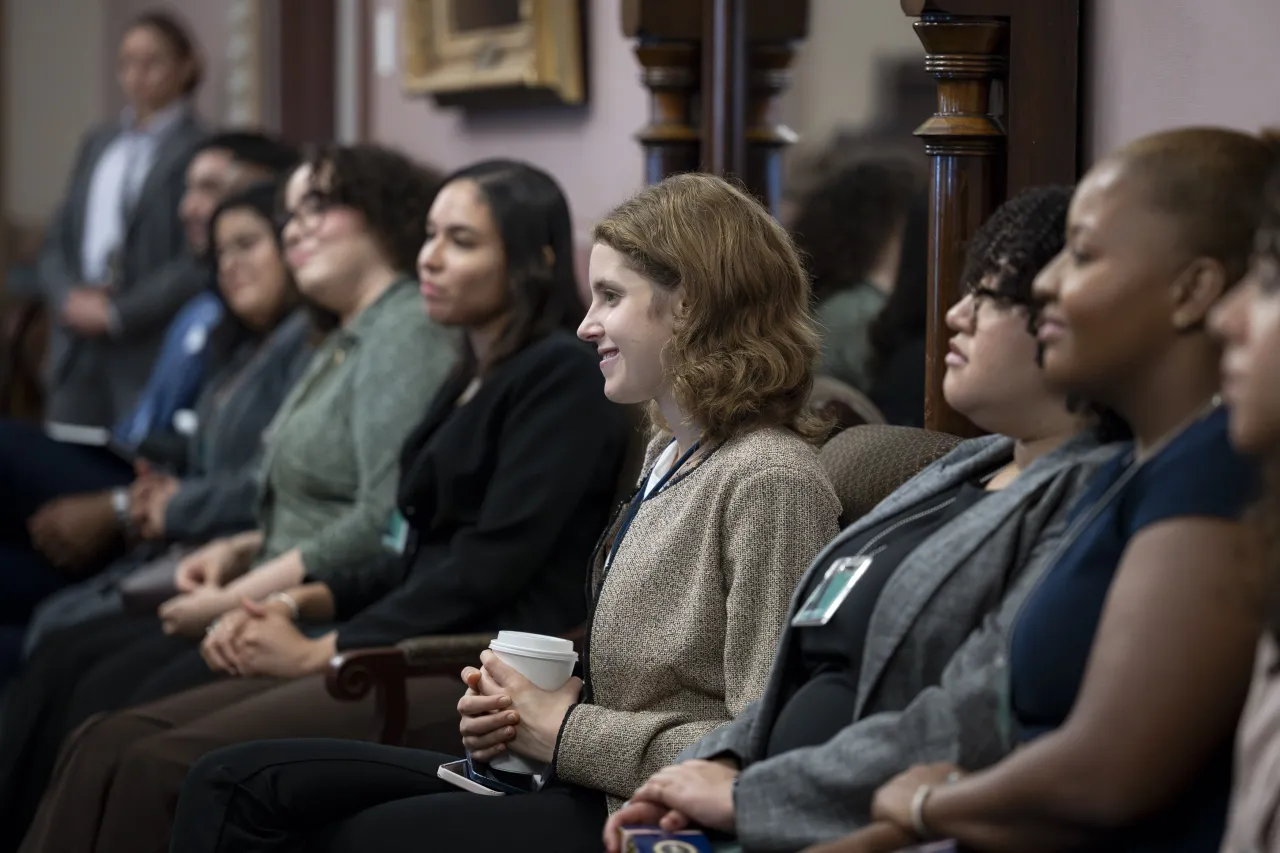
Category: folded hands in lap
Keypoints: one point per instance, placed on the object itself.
(504, 710)
(260, 638)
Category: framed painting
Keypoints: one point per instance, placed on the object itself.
(482, 52)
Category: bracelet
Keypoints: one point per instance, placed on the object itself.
(289, 601)
(918, 826)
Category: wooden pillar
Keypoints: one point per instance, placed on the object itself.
(714, 70)
(984, 149)
(670, 71)
(306, 56)
(724, 87)
(966, 150)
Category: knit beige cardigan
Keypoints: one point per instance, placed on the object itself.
(684, 628)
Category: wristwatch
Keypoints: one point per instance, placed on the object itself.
(120, 505)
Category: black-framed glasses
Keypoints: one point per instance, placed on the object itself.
(308, 213)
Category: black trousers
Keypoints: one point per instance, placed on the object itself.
(101, 665)
(349, 797)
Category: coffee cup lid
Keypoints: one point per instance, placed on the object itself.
(557, 650)
(521, 641)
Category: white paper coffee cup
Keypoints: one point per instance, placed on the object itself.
(546, 661)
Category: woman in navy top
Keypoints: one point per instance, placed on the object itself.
(1129, 663)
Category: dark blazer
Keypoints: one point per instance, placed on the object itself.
(220, 491)
(506, 496)
(155, 274)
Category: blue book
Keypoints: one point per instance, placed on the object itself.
(651, 839)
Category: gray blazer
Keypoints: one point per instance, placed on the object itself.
(220, 491)
(155, 278)
(933, 670)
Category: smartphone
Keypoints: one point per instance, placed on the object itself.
(455, 773)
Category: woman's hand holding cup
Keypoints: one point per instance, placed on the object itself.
(487, 723)
(488, 728)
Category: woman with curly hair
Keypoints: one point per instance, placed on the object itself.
(353, 222)
(700, 309)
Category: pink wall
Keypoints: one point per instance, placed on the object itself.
(208, 22)
(1153, 64)
(591, 151)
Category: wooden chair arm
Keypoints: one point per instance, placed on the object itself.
(384, 671)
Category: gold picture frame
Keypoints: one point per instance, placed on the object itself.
(463, 51)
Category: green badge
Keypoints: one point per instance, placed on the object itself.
(397, 535)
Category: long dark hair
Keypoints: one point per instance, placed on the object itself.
(231, 332)
(532, 216)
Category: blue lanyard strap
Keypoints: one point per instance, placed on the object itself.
(641, 496)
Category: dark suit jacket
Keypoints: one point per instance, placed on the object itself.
(507, 496)
(155, 273)
(219, 493)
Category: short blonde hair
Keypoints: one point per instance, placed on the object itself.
(744, 349)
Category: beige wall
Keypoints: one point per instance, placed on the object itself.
(834, 80)
(589, 150)
(53, 55)
(593, 152)
(1154, 64)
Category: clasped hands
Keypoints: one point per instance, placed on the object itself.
(502, 710)
(260, 638)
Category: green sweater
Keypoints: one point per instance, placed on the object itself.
(845, 318)
(332, 454)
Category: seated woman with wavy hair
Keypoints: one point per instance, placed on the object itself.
(700, 307)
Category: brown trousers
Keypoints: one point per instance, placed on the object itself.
(116, 785)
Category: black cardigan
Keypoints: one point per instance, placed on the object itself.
(505, 497)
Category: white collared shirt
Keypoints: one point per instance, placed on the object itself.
(115, 185)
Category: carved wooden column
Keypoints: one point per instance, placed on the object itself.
(701, 121)
(966, 147)
(979, 158)
(724, 87)
(670, 71)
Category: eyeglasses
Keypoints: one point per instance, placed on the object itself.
(308, 213)
(998, 298)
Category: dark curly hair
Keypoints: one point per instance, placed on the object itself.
(844, 222)
(532, 217)
(392, 192)
(1006, 254)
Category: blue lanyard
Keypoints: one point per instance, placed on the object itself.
(643, 495)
